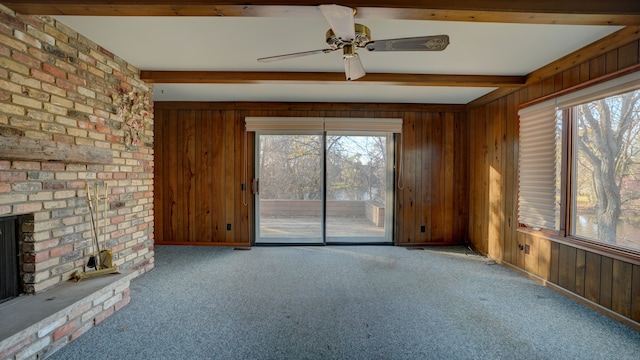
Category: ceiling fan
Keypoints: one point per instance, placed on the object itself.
(345, 34)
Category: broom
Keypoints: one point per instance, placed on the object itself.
(94, 260)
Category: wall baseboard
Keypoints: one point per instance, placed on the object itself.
(588, 303)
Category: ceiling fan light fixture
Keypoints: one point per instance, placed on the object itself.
(353, 68)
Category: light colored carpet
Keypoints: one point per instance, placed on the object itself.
(351, 302)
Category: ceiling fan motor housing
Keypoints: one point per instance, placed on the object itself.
(363, 36)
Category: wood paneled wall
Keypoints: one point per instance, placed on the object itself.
(199, 170)
(199, 158)
(603, 280)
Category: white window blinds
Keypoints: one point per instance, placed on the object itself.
(539, 156)
(320, 124)
(537, 166)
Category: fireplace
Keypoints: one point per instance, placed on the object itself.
(10, 284)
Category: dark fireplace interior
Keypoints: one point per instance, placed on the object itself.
(10, 283)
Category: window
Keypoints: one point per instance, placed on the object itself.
(580, 164)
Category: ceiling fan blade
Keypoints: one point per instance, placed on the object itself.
(353, 68)
(421, 43)
(294, 55)
(341, 19)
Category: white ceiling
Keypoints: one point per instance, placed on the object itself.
(234, 44)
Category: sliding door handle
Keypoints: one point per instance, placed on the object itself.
(255, 186)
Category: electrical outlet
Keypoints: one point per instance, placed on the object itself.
(527, 249)
(228, 226)
(423, 228)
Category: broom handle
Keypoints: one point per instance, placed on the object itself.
(104, 227)
(93, 226)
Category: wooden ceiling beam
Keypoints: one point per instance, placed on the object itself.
(587, 12)
(241, 77)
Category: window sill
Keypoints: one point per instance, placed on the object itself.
(627, 255)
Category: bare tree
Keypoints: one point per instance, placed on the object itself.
(608, 146)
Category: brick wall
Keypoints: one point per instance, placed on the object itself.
(64, 124)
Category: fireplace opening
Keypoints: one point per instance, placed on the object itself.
(10, 284)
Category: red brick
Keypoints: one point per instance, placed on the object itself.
(27, 208)
(119, 75)
(85, 125)
(26, 60)
(31, 20)
(103, 129)
(5, 188)
(5, 165)
(117, 219)
(119, 175)
(65, 84)
(46, 67)
(35, 257)
(125, 86)
(37, 74)
(53, 166)
(77, 80)
(103, 315)
(4, 95)
(26, 165)
(81, 330)
(117, 190)
(12, 175)
(122, 303)
(64, 138)
(65, 329)
(76, 184)
(62, 250)
(17, 347)
(105, 52)
(105, 176)
(11, 21)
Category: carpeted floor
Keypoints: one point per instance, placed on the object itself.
(353, 302)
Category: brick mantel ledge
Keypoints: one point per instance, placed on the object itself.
(35, 326)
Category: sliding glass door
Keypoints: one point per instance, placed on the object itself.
(324, 188)
(358, 179)
(290, 189)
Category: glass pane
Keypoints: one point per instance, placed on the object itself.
(356, 188)
(606, 197)
(290, 198)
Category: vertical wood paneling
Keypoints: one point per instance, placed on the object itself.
(203, 172)
(531, 263)
(420, 177)
(554, 266)
(580, 271)
(448, 178)
(172, 174)
(189, 178)
(620, 290)
(425, 172)
(229, 175)
(461, 191)
(218, 165)
(606, 282)
(592, 277)
(635, 294)
(207, 175)
(628, 55)
(544, 258)
(601, 279)
(438, 182)
(567, 267)
(409, 210)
